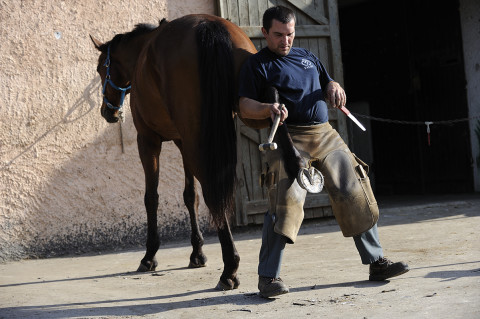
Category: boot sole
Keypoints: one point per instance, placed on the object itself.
(382, 278)
(274, 293)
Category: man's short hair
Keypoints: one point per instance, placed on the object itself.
(280, 13)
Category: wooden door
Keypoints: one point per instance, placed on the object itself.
(317, 30)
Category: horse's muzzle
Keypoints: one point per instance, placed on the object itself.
(111, 116)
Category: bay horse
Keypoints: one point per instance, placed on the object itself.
(116, 64)
(182, 77)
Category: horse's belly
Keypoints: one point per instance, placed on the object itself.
(157, 123)
(164, 128)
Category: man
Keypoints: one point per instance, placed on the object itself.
(304, 86)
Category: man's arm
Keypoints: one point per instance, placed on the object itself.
(252, 109)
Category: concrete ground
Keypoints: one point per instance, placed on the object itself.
(437, 237)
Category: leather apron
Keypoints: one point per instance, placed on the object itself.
(346, 181)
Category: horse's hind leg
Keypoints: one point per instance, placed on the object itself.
(190, 197)
(149, 154)
(231, 259)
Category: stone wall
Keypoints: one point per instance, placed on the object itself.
(69, 181)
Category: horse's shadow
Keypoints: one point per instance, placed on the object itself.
(139, 306)
(239, 302)
(120, 274)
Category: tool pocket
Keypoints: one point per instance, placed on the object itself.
(364, 165)
(268, 177)
(362, 169)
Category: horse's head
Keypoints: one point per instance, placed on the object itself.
(116, 64)
(115, 80)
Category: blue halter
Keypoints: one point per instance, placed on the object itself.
(109, 81)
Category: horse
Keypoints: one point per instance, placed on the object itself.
(127, 47)
(182, 77)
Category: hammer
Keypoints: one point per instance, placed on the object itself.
(269, 145)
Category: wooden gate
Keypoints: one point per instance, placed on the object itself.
(317, 30)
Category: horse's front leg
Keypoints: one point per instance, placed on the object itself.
(190, 197)
(149, 154)
(231, 259)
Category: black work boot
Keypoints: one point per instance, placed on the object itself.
(383, 269)
(271, 287)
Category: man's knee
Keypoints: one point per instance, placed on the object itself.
(353, 203)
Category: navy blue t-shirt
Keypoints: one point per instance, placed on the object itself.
(299, 77)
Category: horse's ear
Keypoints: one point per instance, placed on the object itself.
(96, 42)
(163, 21)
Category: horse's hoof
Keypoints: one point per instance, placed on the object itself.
(197, 262)
(195, 265)
(232, 284)
(221, 286)
(151, 266)
(142, 268)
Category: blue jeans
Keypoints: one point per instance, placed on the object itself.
(273, 245)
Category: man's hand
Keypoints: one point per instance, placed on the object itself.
(252, 109)
(336, 96)
(278, 109)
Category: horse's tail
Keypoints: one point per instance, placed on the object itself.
(218, 140)
(291, 156)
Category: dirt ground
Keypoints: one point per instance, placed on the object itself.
(437, 237)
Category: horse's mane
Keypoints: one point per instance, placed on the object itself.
(139, 29)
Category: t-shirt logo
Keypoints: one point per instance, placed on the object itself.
(307, 64)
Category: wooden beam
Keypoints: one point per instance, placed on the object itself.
(250, 133)
(310, 10)
(301, 31)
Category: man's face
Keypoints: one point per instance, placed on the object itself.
(280, 37)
